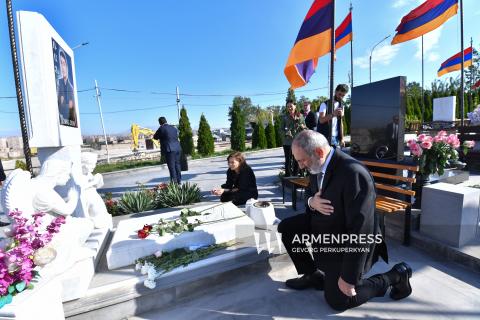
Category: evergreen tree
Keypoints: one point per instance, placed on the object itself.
(270, 134)
(278, 131)
(291, 95)
(262, 139)
(185, 133)
(205, 145)
(237, 127)
(255, 136)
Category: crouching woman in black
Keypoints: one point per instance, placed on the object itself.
(241, 184)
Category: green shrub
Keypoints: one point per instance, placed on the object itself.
(173, 195)
(185, 133)
(262, 139)
(19, 164)
(137, 201)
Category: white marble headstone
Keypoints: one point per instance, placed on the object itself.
(444, 109)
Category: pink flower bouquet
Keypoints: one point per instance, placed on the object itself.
(23, 250)
(434, 153)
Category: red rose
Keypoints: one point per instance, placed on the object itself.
(142, 234)
(147, 228)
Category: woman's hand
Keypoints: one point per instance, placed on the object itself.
(218, 192)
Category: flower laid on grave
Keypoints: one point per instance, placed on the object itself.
(24, 250)
(176, 226)
(435, 153)
(160, 262)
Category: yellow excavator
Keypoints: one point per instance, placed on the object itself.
(146, 132)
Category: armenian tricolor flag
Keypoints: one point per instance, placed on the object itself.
(313, 41)
(344, 34)
(425, 18)
(454, 63)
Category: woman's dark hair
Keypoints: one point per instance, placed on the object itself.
(239, 157)
(342, 88)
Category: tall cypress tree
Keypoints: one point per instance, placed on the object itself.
(270, 134)
(278, 131)
(255, 136)
(185, 133)
(205, 145)
(262, 139)
(291, 95)
(237, 128)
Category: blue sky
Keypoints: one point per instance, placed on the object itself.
(215, 47)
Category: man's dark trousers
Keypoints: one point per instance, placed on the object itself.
(174, 167)
(375, 286)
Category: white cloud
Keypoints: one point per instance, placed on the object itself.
(433, 56)
(430, 42)
(402, 3)
(382, 55)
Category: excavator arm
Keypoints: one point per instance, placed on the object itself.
(137, 130)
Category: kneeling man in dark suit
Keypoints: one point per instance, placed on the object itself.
(339, 230)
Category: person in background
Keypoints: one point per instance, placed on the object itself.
(324, 118)
(292, 123)
(170, 148)
(2, 174)
(241, 184)
(310, 116)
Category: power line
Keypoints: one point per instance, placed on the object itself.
(209, 94)
(15, 97)
(130, 110)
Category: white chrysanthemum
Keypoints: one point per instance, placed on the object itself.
(152, 273)
(151, 284)
(145, 267)
(138, 266)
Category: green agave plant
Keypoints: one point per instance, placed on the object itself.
(137, 201)
(174, 195)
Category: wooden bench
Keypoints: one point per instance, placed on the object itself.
(294, 183)
(472, 158)
(401, 187)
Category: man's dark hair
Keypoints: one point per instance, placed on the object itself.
(162, 120)
(62, 55)
(342, 88)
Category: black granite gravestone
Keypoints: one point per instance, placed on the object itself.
(378, 119)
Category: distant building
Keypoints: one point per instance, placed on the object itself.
(3, 143)
(15, 143)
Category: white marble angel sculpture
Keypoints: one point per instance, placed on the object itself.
(93, 203)
(39, 195)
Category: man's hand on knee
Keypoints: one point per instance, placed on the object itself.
(346, 288)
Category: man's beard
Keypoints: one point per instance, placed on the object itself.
(315, 168)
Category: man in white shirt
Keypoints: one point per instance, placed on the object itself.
(335, 136)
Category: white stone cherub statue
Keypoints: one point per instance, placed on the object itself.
(93, 203)
(39, 195)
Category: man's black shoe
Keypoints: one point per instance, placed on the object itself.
(402, 289)
(313, 280)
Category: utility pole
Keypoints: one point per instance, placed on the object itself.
(97, 95)
(178, 105)
(462, 103)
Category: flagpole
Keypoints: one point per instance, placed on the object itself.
(423, 99)
(463, 61)
(351, 54)
(332, 64)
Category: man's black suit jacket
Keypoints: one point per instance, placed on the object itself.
(351, 190)
(168, 137)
